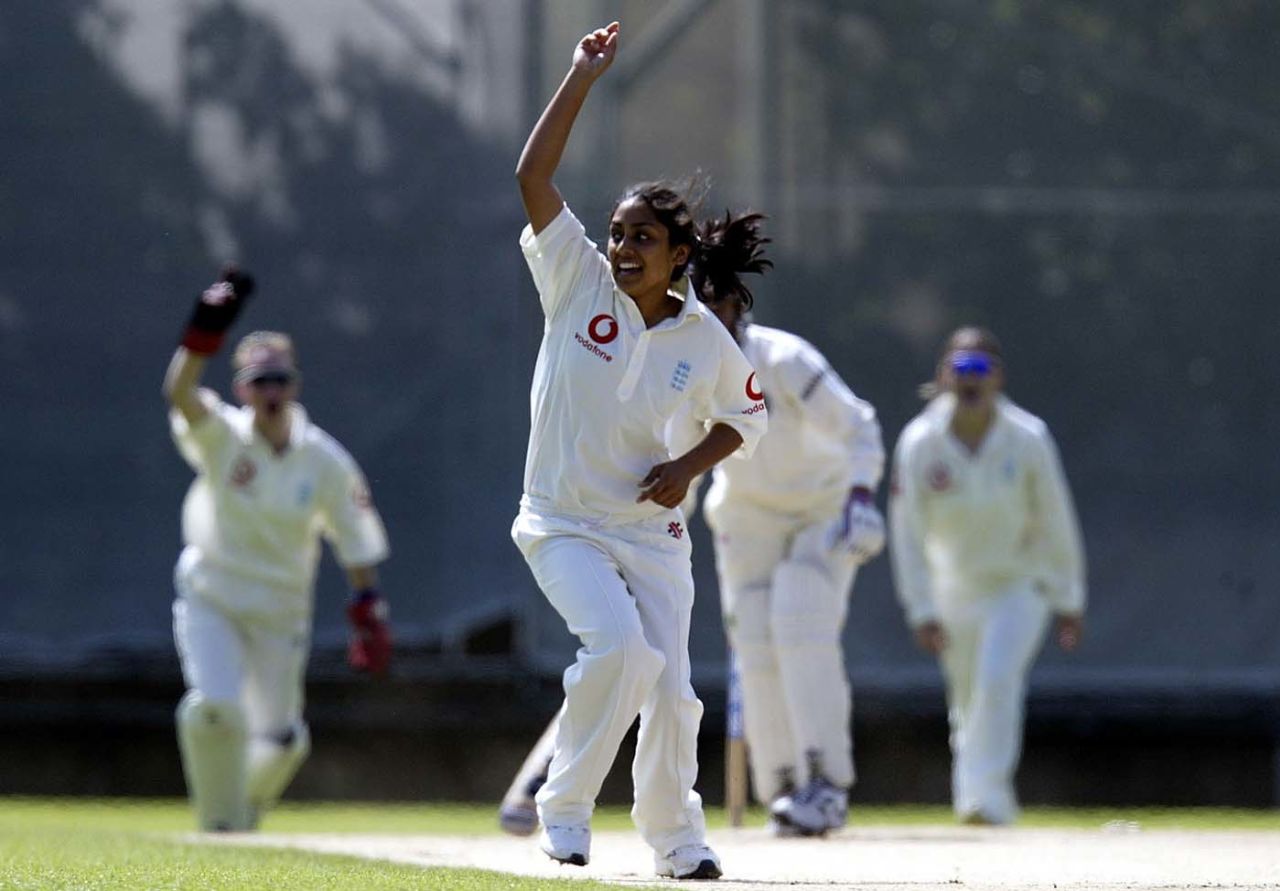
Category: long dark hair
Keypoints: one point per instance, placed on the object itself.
(729, 247)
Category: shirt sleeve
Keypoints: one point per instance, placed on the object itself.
(736, 399)
(205, 443)
(1057, 531)
(351, 523)
(827, 403)
(563, 261)
(911, 579)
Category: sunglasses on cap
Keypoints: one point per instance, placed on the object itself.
(266, 377)
(972, 362)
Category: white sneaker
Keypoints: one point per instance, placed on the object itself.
(567, 844)
(815, 810)
(689, 862)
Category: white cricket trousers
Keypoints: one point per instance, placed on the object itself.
(627, 593)
(259, 665)
(784, 595)
(991, 643)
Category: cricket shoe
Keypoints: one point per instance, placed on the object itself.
(689, 862)
(567, 844)
(816, 809)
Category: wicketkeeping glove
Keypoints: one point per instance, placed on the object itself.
(216, 310)
(860, 529)
(369, 648)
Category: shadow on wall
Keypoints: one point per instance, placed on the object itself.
(383, 235)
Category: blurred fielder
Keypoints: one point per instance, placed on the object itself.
(792, 524)
(985, 548)
(269, 485)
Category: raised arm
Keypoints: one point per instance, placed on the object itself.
(181, 384)
(542, 152)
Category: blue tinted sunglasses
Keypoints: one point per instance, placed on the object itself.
(972, 362)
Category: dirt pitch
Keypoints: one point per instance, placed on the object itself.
(871, 858)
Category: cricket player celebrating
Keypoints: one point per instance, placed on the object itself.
(626, 346)
(985, 548)
(791, 527)
(269, 484)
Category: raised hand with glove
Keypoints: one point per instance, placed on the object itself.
(216, 311)
(860, 528)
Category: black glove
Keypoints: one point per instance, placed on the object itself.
(216, 310)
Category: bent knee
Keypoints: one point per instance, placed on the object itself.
(197, 713)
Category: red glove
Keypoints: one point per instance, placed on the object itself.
(216, 309)
(370, 646)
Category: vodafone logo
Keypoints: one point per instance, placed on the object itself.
(603, 328)
(753, 391)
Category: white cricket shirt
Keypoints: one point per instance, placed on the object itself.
(965, 525)
(253, 519)
(605, 386)
(822, 439)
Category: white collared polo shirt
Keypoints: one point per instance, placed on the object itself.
(605, 385)
(252, 519)
(965, 525)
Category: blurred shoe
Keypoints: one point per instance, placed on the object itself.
(816, 809)
(778, 829)
(689, 862)
(567, 844)
(982, 818)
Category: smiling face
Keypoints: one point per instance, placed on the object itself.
(640, 252)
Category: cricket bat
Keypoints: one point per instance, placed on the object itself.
(735, 748)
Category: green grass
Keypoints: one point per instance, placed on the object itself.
(139, 844)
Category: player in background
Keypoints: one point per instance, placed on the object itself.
(269, 485)
(626, 346)
(791, 527)
(985, 549)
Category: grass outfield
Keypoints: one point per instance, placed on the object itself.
(104, 845)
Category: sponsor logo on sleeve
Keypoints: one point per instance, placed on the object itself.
(755, 394)
(675, 530)
(361, 497)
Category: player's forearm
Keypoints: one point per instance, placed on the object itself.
(181, 383)
(546, 144)
(545, 147)
(720, 442)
